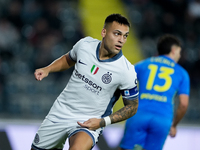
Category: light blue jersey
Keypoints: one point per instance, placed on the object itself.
(160, 79)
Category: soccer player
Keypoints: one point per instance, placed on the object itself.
(160, 78)
(85, 105)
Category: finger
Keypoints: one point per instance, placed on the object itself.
(38, 77)
(172, 134)
(82, 124)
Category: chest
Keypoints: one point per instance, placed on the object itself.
(90, 70)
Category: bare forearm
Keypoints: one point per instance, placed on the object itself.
(179, 115)
(182, 108)
(124, 113)
(59, 64)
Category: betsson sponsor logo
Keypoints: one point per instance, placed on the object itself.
(91, 86)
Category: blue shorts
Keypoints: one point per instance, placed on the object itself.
(147, 129)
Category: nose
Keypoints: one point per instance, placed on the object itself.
(121, 39)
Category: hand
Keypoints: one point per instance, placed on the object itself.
(172, 132)
(91, 124)
(40, 74)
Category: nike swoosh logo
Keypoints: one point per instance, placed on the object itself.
(81, 62)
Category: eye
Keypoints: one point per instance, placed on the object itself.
(116, 33)
(125, 36)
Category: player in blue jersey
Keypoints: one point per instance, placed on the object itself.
(160, 79)
(84, 107)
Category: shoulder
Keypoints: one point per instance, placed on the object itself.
(125, 64)
(142, 62)
(85, 43)
(182, 71)
(183, 76)
(89, 39)
(128, 76)
(127, 69)
(88, 43)
(141, 65)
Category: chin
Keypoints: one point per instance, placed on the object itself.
(116, 52)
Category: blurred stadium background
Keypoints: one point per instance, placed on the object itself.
(35, 32)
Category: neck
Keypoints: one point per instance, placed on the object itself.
(104, 53)
(171, 56)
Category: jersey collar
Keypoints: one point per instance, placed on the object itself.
(167, 58)
(110, 59)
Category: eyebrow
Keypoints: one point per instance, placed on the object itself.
(121, 32)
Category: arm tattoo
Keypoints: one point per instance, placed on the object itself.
(102, 123)
(126, 112)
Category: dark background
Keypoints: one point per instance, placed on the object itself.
(33, 33)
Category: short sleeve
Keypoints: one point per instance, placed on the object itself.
(74, 50)
(184, 87)
(138, 67)
(129, 89)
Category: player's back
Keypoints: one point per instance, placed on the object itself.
(160, 78)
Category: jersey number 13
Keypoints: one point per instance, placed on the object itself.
(162, 73)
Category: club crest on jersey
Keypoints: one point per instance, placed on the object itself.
(36, 139)
(94, 69)
(106, 78)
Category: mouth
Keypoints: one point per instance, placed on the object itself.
(119, 47)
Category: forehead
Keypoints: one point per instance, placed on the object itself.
(115, 26)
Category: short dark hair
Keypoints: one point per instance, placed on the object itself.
(166, 42)
(118, 18)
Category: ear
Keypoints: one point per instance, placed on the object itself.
(173, 53)
(173, 49)
(103, 32)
